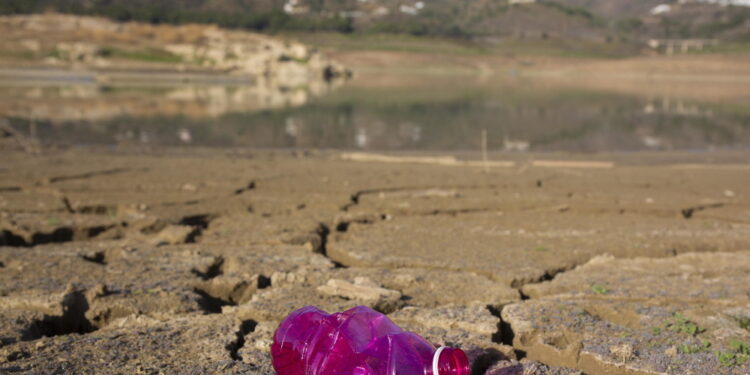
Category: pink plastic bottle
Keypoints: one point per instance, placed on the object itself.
(359, 341)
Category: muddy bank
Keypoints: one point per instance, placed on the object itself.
(113, 260)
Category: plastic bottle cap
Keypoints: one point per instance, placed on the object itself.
(436, 360)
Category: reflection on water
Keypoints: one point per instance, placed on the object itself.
(91, 102)
(518, 115)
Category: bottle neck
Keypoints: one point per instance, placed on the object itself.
(450, 361)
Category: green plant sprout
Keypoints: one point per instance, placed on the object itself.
(739, 354)
(726, 359)
(696, 348)
(599, 289)
(679, 324)
(739, 346)
(682, 325)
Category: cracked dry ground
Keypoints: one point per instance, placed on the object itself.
(184, 263)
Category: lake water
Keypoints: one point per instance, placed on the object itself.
(386, 114)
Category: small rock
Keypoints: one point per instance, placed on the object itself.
(624, 352)
(231, 287)
(173, 235)
(274, 304)
(98, 290)
(363, 289)
(671, 351)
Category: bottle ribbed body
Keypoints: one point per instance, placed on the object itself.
(359, 341)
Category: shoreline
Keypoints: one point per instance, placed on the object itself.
(13, 75)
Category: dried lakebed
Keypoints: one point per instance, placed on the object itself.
(185, 262)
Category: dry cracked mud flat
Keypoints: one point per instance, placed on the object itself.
(184, 261)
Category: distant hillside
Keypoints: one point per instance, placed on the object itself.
(600, 20)
(700, 20)
(616, 9)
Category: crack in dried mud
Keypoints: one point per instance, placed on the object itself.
(687, 213)
(199, 223)
(246, 327)
(323, 231)
(73, 320)
(96, 209)
(57, 235)
(248, 187)
(483, 362)
(355, 197)
(98, 257)
(17, 237)
(212, 271)
(87, 175)
(210, 304)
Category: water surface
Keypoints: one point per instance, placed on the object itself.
(386, 114)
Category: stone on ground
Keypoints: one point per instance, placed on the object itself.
(363, 290)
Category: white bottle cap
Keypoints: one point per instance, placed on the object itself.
(436, 360)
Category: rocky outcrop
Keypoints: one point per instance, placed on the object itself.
(88, 42)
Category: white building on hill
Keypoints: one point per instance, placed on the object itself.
(295, 7)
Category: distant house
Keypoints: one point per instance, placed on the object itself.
(381, 11)
(408, 9)
(661, 9)
(412, 9)
(296, 7)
